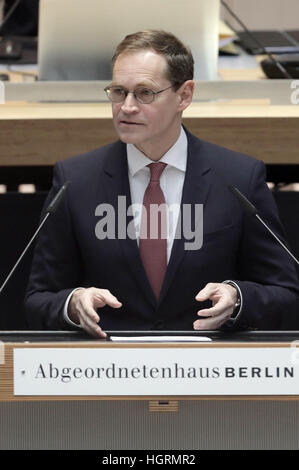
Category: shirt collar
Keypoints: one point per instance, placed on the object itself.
(175, 157)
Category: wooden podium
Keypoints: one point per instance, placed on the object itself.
(129, 421)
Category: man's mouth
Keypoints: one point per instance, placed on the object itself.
(130, 123)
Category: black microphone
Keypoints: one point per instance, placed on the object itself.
(50, 210)
(249, 207)
(9, 13)
(263, 49)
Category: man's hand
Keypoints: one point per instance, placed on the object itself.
(82, 308)
(224, 297)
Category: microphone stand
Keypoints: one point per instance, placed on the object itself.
(252, 210)
(50, 210)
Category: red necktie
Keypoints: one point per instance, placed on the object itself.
(153, 230)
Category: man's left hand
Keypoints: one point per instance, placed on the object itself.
(223, 297)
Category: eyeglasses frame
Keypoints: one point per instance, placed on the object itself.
(154, 93)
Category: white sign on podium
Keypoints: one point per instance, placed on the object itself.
(156, 371)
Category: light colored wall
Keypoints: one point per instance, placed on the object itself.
(265, 14)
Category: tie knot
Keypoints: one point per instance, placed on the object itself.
(156, 170)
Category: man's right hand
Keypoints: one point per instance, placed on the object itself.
(83, 305)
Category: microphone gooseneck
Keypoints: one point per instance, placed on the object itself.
(249, 207)
(263, 49)
(50, 210)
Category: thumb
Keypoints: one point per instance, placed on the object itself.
(107, 299)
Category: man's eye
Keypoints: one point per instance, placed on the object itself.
(144, 92)
(118, 91)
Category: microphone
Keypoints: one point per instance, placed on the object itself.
(50, 210)
(9, 13)
(249, 207)
(263, 49)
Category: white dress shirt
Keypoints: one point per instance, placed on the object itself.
(171, 181)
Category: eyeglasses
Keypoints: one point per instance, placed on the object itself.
(118, 94)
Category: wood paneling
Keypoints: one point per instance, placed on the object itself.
(41, 134)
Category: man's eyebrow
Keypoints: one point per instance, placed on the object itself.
(144, 85)
(118, 86)
(138, 85)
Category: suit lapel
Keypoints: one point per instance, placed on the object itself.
(117, 184)
(195, 191)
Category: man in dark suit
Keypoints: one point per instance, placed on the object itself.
(94, 268)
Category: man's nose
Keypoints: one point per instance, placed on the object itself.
(130, 104)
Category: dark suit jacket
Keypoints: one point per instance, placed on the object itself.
(235, 246)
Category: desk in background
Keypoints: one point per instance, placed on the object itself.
(42, 122)
(43, 133)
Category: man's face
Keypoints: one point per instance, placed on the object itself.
(154, 127)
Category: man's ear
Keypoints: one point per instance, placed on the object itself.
(185, 93)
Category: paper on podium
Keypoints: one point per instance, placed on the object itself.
(160, 339)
